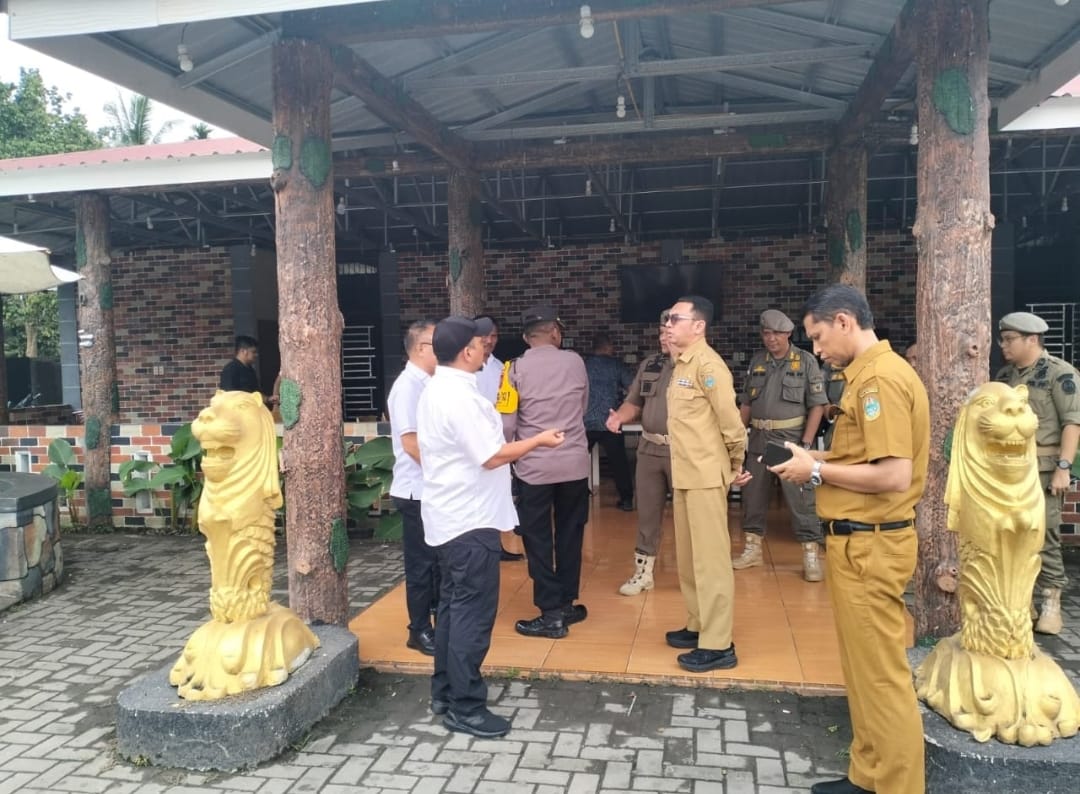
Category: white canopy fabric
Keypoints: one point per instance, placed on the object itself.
(26, 268)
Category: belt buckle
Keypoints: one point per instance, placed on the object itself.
(840, 528)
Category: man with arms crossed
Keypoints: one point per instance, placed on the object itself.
(867, 486)
(466, 504)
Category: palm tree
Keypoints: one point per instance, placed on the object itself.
(131, 124)
(200, 131)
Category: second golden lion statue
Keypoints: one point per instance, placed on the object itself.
(250, 642)
(990, 679)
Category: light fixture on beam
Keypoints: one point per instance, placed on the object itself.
(588, 187)
(586, 25)
(149, 223)
(913, 136)
(183, 59)
(395, 166)
(342, 207)
(1064, 203)
(620, 107)
(611, 226)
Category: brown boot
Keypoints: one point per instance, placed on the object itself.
(1050, 617)
(751, 553)
(642, 578)
(811, 563)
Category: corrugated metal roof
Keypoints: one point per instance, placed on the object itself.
(130, 154)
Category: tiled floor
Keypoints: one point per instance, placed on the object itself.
(783, 626)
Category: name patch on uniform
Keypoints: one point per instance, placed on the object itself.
(710, 381)
(871, 407)
(684, 382)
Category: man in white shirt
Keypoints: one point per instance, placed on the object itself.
(421, 567)
(466, 504)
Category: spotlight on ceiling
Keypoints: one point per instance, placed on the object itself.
(586, 25)
(183, 58)
(342, 207)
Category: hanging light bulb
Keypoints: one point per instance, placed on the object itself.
(183, 59)
(620, 107)
(913, 138)
(149, 223)
(1023, 221)
(611, 226)
(588, 187)
(254, 250)
(1064, 203)
(586, 25)
(395, 166)
(342, 207)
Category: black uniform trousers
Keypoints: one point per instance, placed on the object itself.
(421, 566)
(614, 446)
(553, 519)
(468, 600)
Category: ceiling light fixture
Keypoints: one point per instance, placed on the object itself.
(588, 187)
(395, 166)
(1064, 203)
(913, 137)
(342, 207)
(559, 141)
(611, 226)
(183, 58)
(1061, 2)
(620, 107)
(149, 223)
(586, 25)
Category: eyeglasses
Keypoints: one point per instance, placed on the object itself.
(673, 318)
(664, 317)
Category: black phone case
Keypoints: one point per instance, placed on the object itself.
(775, 454)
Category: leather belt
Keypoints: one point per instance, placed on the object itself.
(842, 527)
(778, 424)
(656, 438)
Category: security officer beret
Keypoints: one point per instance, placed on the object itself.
(453, 334)
(1024, 323)
(541, 313)
(775, 320)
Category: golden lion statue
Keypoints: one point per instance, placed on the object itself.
(990, 678)
(250, 642)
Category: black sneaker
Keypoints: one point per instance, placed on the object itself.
(682, 638)
(626, 505)
(439, 706)
(701, 660)
(483, 724)
(574, 613)
(843, 786)
(553, 628)
(423, 641)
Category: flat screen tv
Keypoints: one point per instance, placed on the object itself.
(646, 290)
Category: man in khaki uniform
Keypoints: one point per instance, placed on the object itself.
(708, 444)
(1053, 396)
(783, 399)
(867, 485)
(647, 398)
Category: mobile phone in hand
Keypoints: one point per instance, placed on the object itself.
(775, 454)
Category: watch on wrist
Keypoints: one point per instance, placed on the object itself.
(1064, 465)
(815, 473)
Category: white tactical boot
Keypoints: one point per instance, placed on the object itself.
(1050, 617)
(751, 553)
(642, 578)
(811, 563)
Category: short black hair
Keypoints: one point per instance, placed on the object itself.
(412, 336)
(246, 343)
(827, 302)
(701, 306)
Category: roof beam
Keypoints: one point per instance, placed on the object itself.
(1050, 77)
(779, 91)
(812, 29)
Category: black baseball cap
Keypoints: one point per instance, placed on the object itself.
(453, 334)
(541, 313)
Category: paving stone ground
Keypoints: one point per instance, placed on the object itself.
(130, 602)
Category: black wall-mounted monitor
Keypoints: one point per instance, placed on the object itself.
(646, 290)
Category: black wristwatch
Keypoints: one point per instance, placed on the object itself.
(1064, 465)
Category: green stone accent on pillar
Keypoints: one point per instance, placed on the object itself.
(952, 98)
(455, 264)
(105, 297)
(476, 212)
(836, 251)
(92, 437)
(98, 503)
(80, 247)
(290, 396)
(281, 153)
(854, 230)
(315, 160)
(339, 545)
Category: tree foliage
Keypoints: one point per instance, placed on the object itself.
(132, 123)
(32, 325)
(33, 120)
(200, 131)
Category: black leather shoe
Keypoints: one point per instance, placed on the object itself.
(509, 556)
(483, 724)
(844, 786)
(423, 641)
(701, 660)
(574, 613)
(682, 638)
(553, 628)
(626, 505)
(439, 706)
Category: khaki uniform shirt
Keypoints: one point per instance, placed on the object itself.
(708, 439)
(1053, 396)
(784, 388)
(649, 393)
(885, 414)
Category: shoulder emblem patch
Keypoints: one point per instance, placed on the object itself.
(710, 381)
(871, 407)
(1068, 385)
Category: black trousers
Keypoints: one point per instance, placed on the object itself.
(614, 447)
(468, 600)
(553, 520)
(421, 566)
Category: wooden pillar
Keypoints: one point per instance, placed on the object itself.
(466, 243)
(952, 230)
(5, 416)
(310, 326)
(97, 351)
(845, 214)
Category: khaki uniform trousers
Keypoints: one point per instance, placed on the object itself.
(867, 574)
(800, 503)
(652, 482)
(703, 552)
(1053, 567)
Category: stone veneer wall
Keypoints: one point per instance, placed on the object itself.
(31, 554)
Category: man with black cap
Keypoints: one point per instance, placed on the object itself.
(466, 504)
(1053, 396)
(783, 399)
(553, 391)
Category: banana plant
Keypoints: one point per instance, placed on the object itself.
(369, 471)
(181, 477)
(68, 479)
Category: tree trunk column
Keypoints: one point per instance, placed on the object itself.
(952, 231)
(97, 351)
(845, 214)
(310, 332)
(465, 215)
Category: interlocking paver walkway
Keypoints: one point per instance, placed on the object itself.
(130, 602)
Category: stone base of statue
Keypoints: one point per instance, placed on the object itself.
(154, 725)
(956, 762)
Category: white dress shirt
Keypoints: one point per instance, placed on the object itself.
(489, 378)
(459, 431)
(401, 405)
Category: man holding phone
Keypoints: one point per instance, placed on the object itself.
(783, 399)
